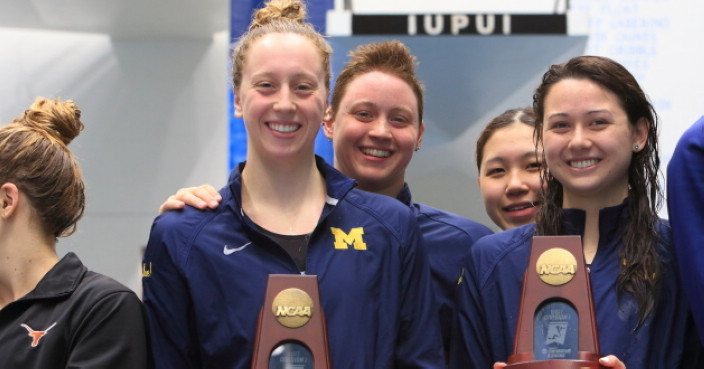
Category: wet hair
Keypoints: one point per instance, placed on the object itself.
(279, 16)
(507, 118)
(640, 261)
(34, 156)
(392, 57)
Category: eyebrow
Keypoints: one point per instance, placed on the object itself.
(370, 102)
(500, 159)
(495, 159)
(352, 105)
(529, 154)
(598, 111)
(562, 114)
(297, 75)
(558, 115)
(373, 102)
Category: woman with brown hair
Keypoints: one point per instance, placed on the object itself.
(376, 125)
(509, 168)
(55, 313)
(286, 211)
(598, 133)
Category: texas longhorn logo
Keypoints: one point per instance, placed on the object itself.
(36, 335)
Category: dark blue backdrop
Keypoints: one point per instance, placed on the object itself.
(240, 15)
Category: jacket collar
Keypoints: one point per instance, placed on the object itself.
(337, 184)
(337, 187)
(405, 195)
(611, 220)
(61, 280)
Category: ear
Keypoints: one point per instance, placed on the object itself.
(640, 133)
(328, 122)
(421, 130)
(9, 197)
(238, 107)
(328, 112)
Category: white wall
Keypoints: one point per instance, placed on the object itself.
(156, 120)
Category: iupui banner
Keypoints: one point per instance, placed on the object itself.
(453, 18)
(459, 24)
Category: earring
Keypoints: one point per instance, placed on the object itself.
(417, 148)
(636, 147)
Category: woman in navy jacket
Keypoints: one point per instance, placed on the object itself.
(376, 124)
(598, 133)
(685, 205)
(285, 211)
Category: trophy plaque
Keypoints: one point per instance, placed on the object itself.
(291, 333)
(556, 321)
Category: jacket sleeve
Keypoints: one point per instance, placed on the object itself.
(468, 345)
(167, 298)
(419, 341)
(692, 352)
(112, 335)
(685, 203)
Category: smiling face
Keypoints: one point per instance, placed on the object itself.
(589, 143)
(509, 176)
(282, 97)
(375, 131)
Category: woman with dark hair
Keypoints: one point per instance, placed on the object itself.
(55, 313)
(598, 133)
(509, 168)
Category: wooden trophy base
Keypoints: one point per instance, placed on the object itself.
(591, 360)
(555, 364)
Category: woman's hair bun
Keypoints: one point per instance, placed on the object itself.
(61, 119)
(275, 10)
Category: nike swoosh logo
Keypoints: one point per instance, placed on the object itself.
(227, 251)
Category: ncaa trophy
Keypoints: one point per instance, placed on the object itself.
(291, 332)
(556, 321)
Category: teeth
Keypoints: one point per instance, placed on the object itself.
(377, 152)
(284, 128)
(583, 163)
(520, 207)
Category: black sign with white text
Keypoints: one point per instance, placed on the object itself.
(459, 24)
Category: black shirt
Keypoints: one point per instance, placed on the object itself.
(74, 318)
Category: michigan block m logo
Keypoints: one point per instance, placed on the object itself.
(344, 240)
